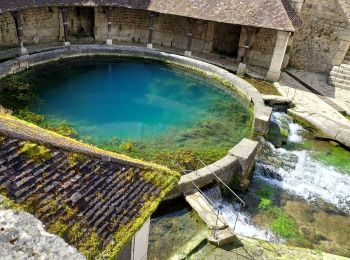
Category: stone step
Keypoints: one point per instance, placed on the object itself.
(345, 67)
(338, 74)
(334, 79)
(338, 69)
(222, 237)
(345, 61)
(206, 213)
(339, 85)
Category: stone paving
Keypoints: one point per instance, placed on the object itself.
(247, 248)
(319, 110)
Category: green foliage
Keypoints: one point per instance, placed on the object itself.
(31, 117)
(35, 152)
(265, 204)
(62, 128)
(280, 222)
(283, 224)
(265, 192)
(127, 146)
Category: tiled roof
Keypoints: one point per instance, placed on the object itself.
(259, 13)
(82, 196)
(293, 15)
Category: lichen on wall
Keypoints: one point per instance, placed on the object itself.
(318, 41)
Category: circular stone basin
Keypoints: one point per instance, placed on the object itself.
(134, 106)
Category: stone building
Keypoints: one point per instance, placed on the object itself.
(254, 32)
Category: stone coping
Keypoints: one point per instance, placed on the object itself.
(250, 94)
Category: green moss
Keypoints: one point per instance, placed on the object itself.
(90, 247)
(265, 204)
(35, 152)
(265, 192)
(75, 158)
(264, 87)
(282, 223)
(31, 117)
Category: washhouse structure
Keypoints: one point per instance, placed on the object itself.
(101, 202)
(254, 32)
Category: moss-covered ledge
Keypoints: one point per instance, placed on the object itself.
(72, 187)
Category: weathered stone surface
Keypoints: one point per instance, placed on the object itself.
(223, 237)
(22, 236)
(273, 100)
(324, 38)
(205, 211)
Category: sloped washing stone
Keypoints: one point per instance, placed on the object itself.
(206, 213)
(22, 236)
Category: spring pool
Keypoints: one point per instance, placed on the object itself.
(139, 107)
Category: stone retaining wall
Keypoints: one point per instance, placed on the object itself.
(262, 113)
(236, 166)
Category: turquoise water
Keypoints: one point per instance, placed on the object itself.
(125, 99)
(152, 106)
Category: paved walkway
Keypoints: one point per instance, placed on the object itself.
(322, 109)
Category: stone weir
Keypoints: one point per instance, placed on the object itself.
(94, 199)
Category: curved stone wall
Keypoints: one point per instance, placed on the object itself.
(239, 160)
(247, 91)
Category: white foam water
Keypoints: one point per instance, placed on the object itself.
(307, 177)
(244, 225)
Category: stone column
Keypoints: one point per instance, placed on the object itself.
(64, 12)
(343, 47)
(109, 26)
(188, 51)
(151, 30)
(19, 30)
(278, 55)
(244, 51)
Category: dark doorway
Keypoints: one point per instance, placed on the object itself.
(226, 39)
(81, 23)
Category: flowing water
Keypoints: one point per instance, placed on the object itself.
(314, 193)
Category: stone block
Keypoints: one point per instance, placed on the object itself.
(245, 152)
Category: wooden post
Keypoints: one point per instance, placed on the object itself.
(64, 12)
(192, 23)
(151, 30)
(19, 30)
(109, 24)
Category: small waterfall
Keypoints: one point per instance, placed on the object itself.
(214, 193)
(243, 226)
(298, 173)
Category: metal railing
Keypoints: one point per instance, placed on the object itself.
(209, 202)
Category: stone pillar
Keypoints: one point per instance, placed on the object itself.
(19, 31)
(278, 55)
(298, 5)
(109, 25)
(244, 51)
(188, 51)
(209, 39)
(151, 30)
(343, 47)
(64, 12)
